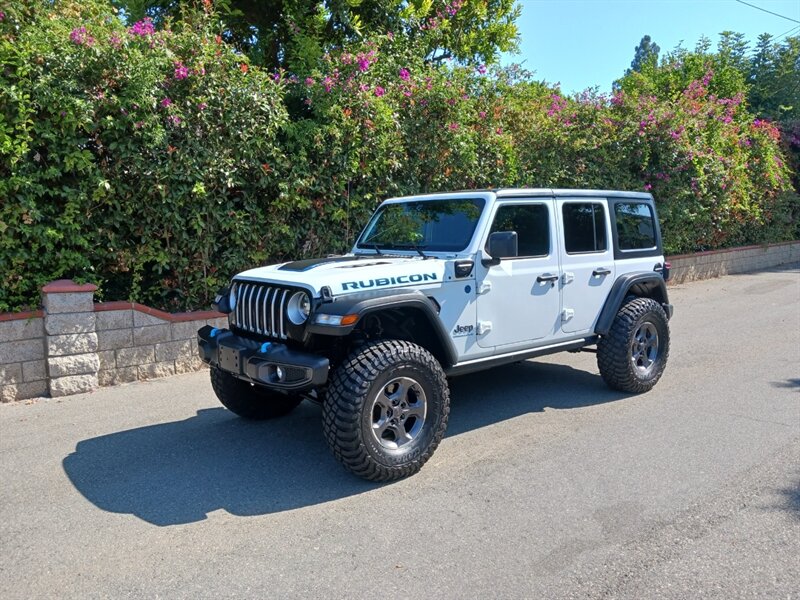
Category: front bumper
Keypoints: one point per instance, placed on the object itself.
(266, 363)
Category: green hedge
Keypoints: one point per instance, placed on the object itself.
(158, 163)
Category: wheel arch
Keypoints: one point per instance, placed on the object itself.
(643, 284)
(399, 306)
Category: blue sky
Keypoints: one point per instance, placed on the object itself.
(585, 43)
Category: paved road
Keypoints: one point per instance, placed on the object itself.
(547, 486)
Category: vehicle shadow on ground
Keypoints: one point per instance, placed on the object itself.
(178, 472)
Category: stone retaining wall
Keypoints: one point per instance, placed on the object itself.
(716, 263)
(76, 345)
(135, 342)
(23, 368)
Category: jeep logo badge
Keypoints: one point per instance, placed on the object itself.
(462, 330)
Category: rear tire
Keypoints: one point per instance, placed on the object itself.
(250, 401)
(386, 410)
(633, 355)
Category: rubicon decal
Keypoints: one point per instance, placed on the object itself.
(384, 281)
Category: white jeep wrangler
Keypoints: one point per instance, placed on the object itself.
(437, 286)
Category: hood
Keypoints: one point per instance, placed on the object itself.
(350, 274)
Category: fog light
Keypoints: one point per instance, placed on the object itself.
(279, 373)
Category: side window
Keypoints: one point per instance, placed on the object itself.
(584, 227)
(635, 226)
(532, 224)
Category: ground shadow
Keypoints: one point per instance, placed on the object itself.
(178, 472)
(789, 383)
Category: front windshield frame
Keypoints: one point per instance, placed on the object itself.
(365, 243)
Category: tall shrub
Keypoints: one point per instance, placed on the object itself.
(135, 158)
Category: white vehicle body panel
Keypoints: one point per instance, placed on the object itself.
(495, 310)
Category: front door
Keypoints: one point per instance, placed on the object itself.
(519, 299)
(587, 262)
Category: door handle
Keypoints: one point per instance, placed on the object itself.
(601, 271)
(547, 277)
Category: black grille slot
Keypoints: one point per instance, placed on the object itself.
(261, 309)
(294, 374)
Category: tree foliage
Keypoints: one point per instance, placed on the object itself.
(296, 34)
(646, 52)
(157, 161)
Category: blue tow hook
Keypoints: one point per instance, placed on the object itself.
(264, 347)
(214, 332)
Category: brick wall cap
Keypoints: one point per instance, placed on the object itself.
(733, 249)
(198, 315)
(67, 286)
(33, 314)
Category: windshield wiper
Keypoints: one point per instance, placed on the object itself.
(413, 247)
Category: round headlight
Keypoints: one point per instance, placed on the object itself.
(299, 308)
(232, 297)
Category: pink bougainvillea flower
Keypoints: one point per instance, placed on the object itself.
(181, 71)
(115, 41)
(174, 119)
(404, 74)
(482, 69)
(81, 37)
(379, 91)
(142, 28)
(453, 126)
(165, 103)
(482, 114)
(647, 187)
(202, 106)
(309, 81)
(363, 63)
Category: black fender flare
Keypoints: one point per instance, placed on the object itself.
(645, 284)
(364, 303)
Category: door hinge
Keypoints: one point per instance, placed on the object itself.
(484, 327)
(485, 287)
(567, 314)
(567, 277)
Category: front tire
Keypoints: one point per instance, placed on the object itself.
(386, 410)
(250, 401)
(633, 355)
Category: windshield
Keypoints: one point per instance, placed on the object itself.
(435, 225)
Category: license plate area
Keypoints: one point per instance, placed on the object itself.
(230, 359)
(232, 356)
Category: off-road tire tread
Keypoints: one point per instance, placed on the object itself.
(613, 360)
(348, 391)
(250, 402)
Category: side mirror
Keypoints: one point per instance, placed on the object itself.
(502, 244)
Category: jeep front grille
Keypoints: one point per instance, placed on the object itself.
(261, 309)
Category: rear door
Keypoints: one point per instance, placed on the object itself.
(587, 261)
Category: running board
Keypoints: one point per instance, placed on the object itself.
(480, 364)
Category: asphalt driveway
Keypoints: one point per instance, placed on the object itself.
(548, 485)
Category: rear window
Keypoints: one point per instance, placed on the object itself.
(584, 227)
(635, 226)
